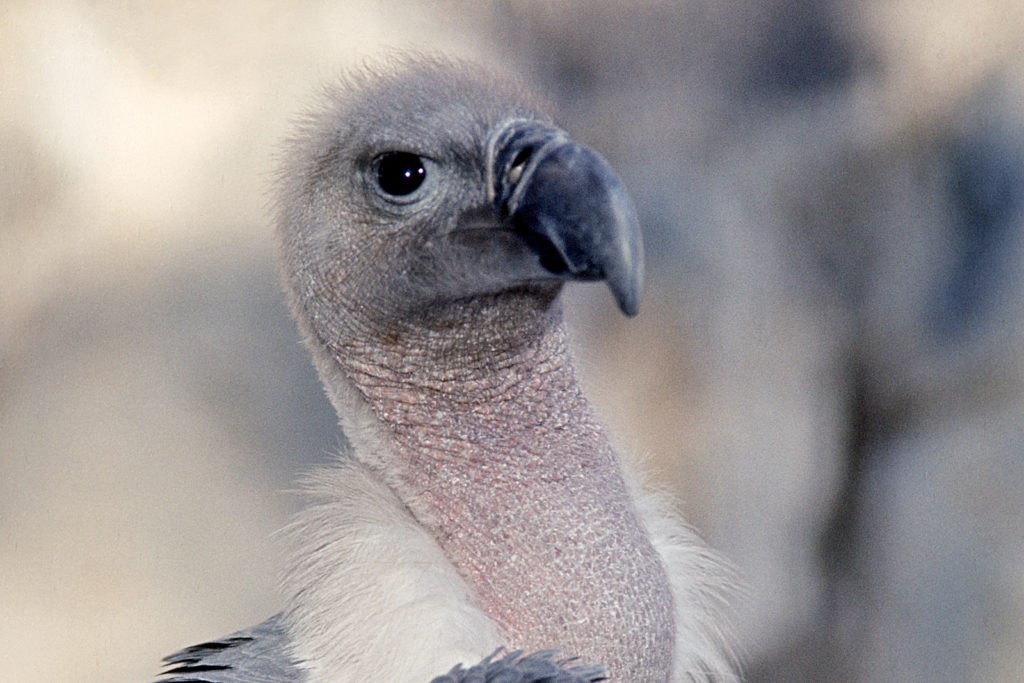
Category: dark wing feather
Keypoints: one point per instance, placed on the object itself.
(515, 667)
(259, 654)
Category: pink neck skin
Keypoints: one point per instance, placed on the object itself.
(506, 464)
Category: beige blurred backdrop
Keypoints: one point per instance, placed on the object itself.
(828, 371)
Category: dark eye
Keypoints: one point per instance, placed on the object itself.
(400, 173)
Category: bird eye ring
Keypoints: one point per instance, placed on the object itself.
(399, 174)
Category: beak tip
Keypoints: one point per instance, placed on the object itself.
(629, 309)
(625, 276)
(627, 295)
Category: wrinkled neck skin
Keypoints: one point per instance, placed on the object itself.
(499, 455)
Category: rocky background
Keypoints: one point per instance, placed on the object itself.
(828, 370)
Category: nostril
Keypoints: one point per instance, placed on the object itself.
(515, 171)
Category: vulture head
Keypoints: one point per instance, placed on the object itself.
(432, 202)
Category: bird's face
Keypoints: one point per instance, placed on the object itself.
(430, 198)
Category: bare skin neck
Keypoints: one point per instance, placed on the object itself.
(504, 462)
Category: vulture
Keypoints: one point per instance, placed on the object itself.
(479, 525)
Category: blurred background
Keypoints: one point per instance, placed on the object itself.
(828, 370)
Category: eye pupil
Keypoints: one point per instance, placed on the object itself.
(400, 173)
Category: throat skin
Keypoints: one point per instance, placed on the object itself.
(503, 460)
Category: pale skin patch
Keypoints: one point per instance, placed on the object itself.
(526, 500)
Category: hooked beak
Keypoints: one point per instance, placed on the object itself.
(570, 208)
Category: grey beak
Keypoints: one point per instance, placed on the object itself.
(565, 201)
